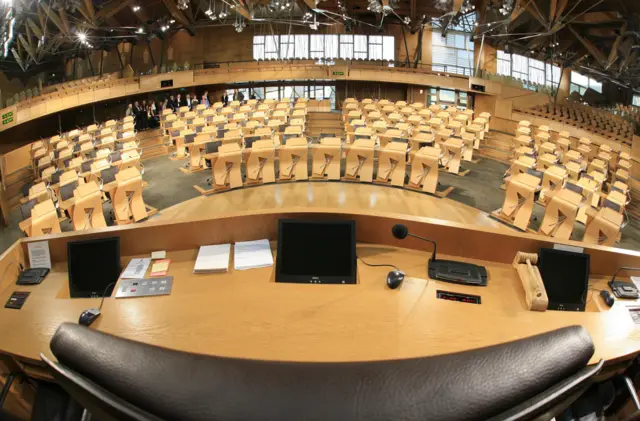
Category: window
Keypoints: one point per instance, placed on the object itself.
(433, 96)
(271, 47)
(258, 92)
(580, 83)
(447, 96)
(453, 53)
(287, 49)
(301, 46)
(360, 47)
(315, 46)
(462, 100)
(346, 47)
(258, 47)
(552, 75)
(375, 48)
(527, 69)
(636, 100)
(272, 92)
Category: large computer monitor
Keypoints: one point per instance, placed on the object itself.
(565, 275)
(316, 252)
(93, 265)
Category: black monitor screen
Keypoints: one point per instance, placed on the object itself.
(565, 276)
(316, 252)
(93, 265)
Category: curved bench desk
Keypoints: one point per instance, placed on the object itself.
(246, 314)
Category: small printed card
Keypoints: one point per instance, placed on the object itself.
(160, 268)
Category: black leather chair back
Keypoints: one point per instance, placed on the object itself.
(118, 379)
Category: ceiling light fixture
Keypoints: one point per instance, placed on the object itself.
(136, 8)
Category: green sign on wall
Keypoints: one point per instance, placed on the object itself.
(7, 115)
(338, 73)
(8, 120)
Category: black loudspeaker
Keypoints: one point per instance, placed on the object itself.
(166, 83)
(479, 88)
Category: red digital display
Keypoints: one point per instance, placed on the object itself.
(461, 298)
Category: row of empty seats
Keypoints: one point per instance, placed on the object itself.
(452, 132)
(573, 178)
(582, 116)
(76, 172)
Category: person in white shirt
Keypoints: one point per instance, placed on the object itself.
(188, 100)
(129, 111)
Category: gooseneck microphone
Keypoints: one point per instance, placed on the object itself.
(400, 231)
(446, 270)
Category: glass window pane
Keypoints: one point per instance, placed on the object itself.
(360, 47)
(331, 49)
(271, 47)
(316, 46)
(301, 46)
(389, 48)
(286, 46)
(346, 47)
(579, 79)
(595, 85)
(447, 96)
(636, 100)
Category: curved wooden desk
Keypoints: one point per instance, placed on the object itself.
(247, 314)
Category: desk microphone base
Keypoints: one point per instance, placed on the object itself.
(457, 272)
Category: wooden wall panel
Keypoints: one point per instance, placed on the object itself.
(16, 160)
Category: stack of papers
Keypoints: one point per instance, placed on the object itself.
(136, 268)
(213, 259)
(253, 254)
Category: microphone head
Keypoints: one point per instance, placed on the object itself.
(400, 231)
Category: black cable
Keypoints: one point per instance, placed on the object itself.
(104, 294)
(622, 268)
(376, 265)
(592, 291)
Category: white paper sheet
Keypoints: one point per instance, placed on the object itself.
(39, 256)
(214, 258)
(136, 268)
(252, 254)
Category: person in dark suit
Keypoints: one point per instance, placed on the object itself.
(138, 114)
(172, 103)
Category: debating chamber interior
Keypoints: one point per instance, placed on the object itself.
(320, 210)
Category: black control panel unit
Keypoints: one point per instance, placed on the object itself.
(461, 298)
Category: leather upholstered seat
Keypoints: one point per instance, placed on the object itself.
(118, 379)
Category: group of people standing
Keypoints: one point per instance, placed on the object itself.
(146, 114)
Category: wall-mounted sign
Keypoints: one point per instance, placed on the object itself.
(338, 73)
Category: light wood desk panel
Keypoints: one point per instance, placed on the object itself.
(247, 314)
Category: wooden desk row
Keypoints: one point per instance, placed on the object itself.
(393, 160)
(212, 313)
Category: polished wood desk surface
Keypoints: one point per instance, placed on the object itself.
(246, 314)
(347, 197)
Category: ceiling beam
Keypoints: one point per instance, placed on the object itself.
(613, 54)
(111, 9)
(559, 10)
(88, 5)
(178, 15)
(28, 48)
(593, 50)
(35, 28)
(598, 17)
(54, 17)
(533, 10)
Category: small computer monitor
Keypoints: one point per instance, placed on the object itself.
(108, 175)
(55, 177)
(93, 266)
(66, 191)
(323, 135)
(25, 209)
(211, 147)
(248, 141)
(565, 275)
(86, 166)
(573, 187)
(189, 138)
(535, 173)
(316, 252)
(400, 139)
(115, 156)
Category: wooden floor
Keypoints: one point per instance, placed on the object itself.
(339, 195)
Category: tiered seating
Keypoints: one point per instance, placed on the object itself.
(595, 120)
(199, 134)
(79, 170)
(570, 177)
(271, 140)
(451, 131)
